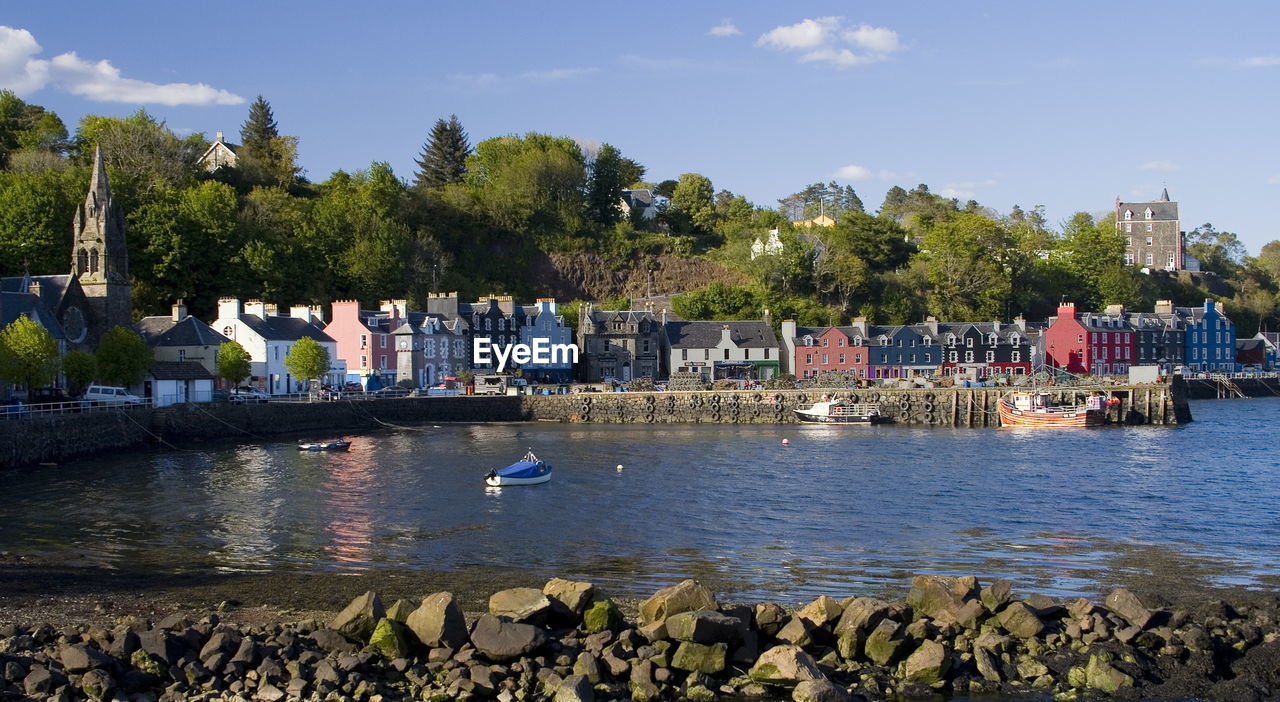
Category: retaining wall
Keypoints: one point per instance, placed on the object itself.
(952, 407)
(35, 439)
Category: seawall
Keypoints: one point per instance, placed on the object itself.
(1223, 388)
(34, 439)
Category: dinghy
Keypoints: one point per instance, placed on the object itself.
(526, 471)
(330, 445)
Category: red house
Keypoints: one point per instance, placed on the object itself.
(1091, 343)
(364, 338)
(818, 349)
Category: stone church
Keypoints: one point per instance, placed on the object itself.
(96, 295)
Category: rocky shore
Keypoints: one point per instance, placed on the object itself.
(568, 642)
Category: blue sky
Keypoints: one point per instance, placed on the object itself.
(1065, 105)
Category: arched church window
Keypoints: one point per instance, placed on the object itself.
(93, 261)
(82, 261)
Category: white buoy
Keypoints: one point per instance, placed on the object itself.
(619, 467)
(786, 442)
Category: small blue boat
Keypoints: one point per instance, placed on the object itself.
(526, 471)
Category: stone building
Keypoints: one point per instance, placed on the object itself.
(734, 350)
(220, 153)
(100, 256)
(620, 344)
(1153, 234)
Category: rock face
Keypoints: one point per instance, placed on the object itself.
(785, 665)
(503, 641)
(604, 615)
(685, 597)
(390, 638)
(439, 621)
(357, 621)
(1129, 607)
(883, 643)
(520, 604)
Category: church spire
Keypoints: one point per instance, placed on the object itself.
(99, 190)
(1164, 195)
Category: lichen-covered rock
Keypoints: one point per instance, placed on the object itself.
(1100, 675)
(400, 610)
(928, 664)
(863, 613)
(882, 645)
(1020, 620)
(705, 626)
(439, 621)
(849, 644)
(575, 688)
(568, 596)
(97, 684)
(603, 615)
(520, 604)
(821, 612)
(799, 631)
(691, 656)
(1129, 607)
(769, 618)
(358, 619)
(785, 665)
(939, 597)
(987, 666)
(390, 638)
(685, 597)
(996, 595)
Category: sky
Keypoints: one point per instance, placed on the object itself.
(1065, 105)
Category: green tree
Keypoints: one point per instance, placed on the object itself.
(830, 199)
(141, 154)
(28, 354)
(25, 127)
(444, 157)
(123, 357)
(918, 209)
(532, 184)
(80, 369)
(604, 186)
(35, 227)
(969, 266)
(1090, 250)
(233, 363)
(266, 157)
(307, 359)
(692, 202)
(719, 301)
(1269, 261)
(1219, 252)
(631, 172)
(259, 129)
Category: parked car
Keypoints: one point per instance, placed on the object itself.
(248, 394)
(108, 395)
(392, 391)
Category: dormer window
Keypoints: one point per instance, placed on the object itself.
(1015, 339)
(1128, 214)
(808, 340)
(884, 340)
(993, 339)
(951, 339)
(857, 340)
(1148, 213)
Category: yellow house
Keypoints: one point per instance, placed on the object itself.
(822, 220)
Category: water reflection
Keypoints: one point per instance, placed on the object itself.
(841, 510)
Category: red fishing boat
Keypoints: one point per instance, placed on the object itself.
(1037, 409)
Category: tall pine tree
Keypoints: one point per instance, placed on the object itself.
(444, 156)
(257, 132)
(604, 186)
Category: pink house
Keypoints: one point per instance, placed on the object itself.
(365, 340)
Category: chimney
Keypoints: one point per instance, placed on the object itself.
(398, 309)
(1020, 322)
(860, 325)
(995, 325)
(228, 308)
(179, 311)
(768, 318)
(506, 304)
(546, 304)
(1114, 310)
(1164, 307)
(932, 323)
(1067, 310)
(317, 314)
(255, 307)
(788, 329)
(218, 138)
(302, 312)
(1218, 306)
(270, 309)
(33, 287)
(726, 335)
(664, 316)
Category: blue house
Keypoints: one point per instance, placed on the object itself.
(1210, 338)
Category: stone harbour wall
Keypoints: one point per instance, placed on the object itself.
(29, 440)
(950, 407)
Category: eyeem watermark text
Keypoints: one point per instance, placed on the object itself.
(541, 352)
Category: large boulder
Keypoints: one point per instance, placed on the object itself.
(503, 641)
(928, 664)
(1129, 607)
(863, 613)
(520, 604)
(685, 597)
(822, 611)
(1020, 620)
(439, 621)
(1101, 675)
(704, 626)
(77, 658)
(400, 610)
(883, 643)
(818, 691)
(568, 596)
(996, 595)
(940, 597)
(357, 621)
(696, 657)
(785, 665)
(603, 615)
(769, 618)
(799, 631)
(391, 639)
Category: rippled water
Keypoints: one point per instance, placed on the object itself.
(842, 510)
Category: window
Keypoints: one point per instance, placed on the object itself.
(1104, 337)
(364, 341)
(808, 359)
(502, 324)
(968, 357)
(364, 361)
(182, 354)
(824, 359)
(1148, 214)
(706, 354)
(1079, 338)
(928, 341)
(382, 341)
(1150, 258)
(808, 340)
(1128, 259)
(840, 341)
(684, 354)
(1016, 357)
(1149, 240)
(993, 340)
(1128, 214)
(955, 356)
(766, 351)
(488, 324)
(991, 356)
(968, 341)
(825, 343)
(842, 359)
(951, 339)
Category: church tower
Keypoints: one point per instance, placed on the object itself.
(100, 256)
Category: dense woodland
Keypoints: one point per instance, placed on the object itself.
(472, 217)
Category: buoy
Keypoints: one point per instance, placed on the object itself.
(786, 442)
(619, 467)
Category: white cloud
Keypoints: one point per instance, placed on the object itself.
(1162, 166)
(557, 74)
(1273, 180)
(542, 76)
(23, 73)
(828, 40)
(1260, 62)
(966, 190)
(725, 29)
(852, 172)
(881, 40)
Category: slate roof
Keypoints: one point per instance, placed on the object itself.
(15, 304)
(179, 370)
(163, 331)
(1254, 344)
(750, 334)
(52, 287)
(1160, 210)
(284, 328)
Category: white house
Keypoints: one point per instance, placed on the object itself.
(268, 337)
(173, 382)
(542, 322)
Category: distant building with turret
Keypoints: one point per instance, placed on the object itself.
(1153, 235)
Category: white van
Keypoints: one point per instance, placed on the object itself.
(491, 385)
(108, 395)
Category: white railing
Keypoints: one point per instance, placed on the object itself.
(19, 410)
